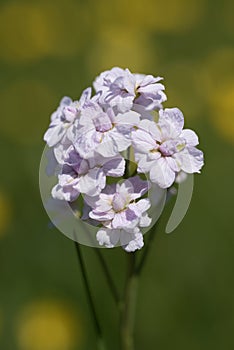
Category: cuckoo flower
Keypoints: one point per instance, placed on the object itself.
(104, 131)
(164, 149)
(121, 89)
(85, 176)
(63, 119)
(120, 213)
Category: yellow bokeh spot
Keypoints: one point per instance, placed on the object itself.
(5, 213)
(118, 46)
(157, 15)
(31, 31)
(26, 107)
(48, 325)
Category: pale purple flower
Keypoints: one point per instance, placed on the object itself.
(121, 89)
(104, 131)
(120, 210)
(164, 149)
(87, 176)
(63, 119)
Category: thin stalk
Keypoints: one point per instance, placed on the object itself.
(145, 253)
(100, 343)
(105, 269)
(127, 320)
(109, 279)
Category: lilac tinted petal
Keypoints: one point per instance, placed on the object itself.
(150, 127)
(151, 90)
(145, 220)
(86, 142)
(121, 141)
(61, 150)
(86, 95)
(131, 241)
(101, 203)
(172, 164)
(65, 101)
(67, 193)
(162, 174)
(123, 219)
(190, 136)
(89, 113)
(174, 118)
(149, 79)
(107, 147)
(67, 179)
(54, 134)
(123, 103)
(140, 207)
(130, 119)
(145, 163)
(102, 122)
(93, 182)
(190, 160)
(108, 237)
(91, 201)
(142, 141)
(99, 216)
(135, 187)
(114, 167)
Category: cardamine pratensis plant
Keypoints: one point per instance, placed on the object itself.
(95, 140)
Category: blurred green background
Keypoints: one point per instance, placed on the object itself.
(49, 49)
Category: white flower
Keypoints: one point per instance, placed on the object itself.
(63, 119)
(119, 212)
(103, 131)
(85, 176)
(164, 149)
(120, 89)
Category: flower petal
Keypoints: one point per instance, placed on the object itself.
(162, 174)
(190, 160)
(108, 237)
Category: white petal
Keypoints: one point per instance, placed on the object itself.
(121, 140)
(141, 206)
(114, 167)
(162, 174)
(54, 134)
(190, 160)
(129, 119)
(172, 118)
(131, 241)
(190, 136)
(93, 182)
(107, 237)
(145, 220)
(107, 148)
(150, 127)
(142, 141)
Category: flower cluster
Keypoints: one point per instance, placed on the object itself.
(90, 138)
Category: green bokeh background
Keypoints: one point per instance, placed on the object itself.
(56, 48)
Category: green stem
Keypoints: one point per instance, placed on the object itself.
(151, 234)
(109, 279)
(127, 320)
(100, 343)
